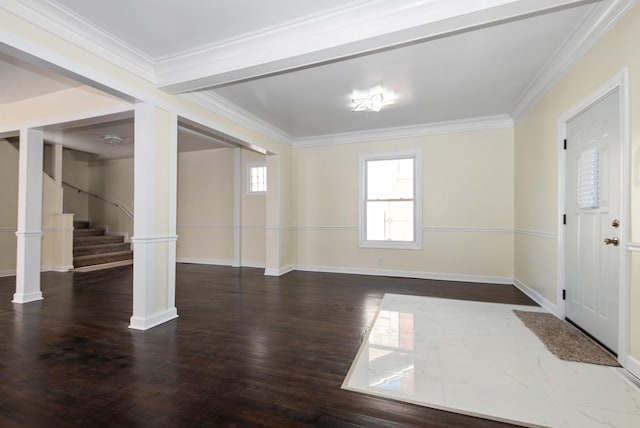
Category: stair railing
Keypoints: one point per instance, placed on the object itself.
(115, 204)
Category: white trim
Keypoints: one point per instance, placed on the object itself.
(29, 234)
(5, 273)
(173, 209)
(593, 28)
(56, 268)
(424, 229)
(633, 247)
(416, 244)
(323, 228)
(253, 264)
(153, 239)
(633, 366)
(214, 102)
(220, 262)
(280, 271)
(501, 280)
(76, 30)
(196, 261)
(537, 297)
(206, 226)
(469, 229)
(435, 128)
(618, 82)
(58, 229)
(536, 233)
(138, 323)
(27, 298)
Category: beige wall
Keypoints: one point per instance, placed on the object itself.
(467, 207)
(8, 207)
(206, 209)
(112, 180)
(536, 163)
(75, 171)
(205, 206)
(253, 217)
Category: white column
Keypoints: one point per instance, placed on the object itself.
(29, 231)
(237, 207)
(154, 240)
(274, 229)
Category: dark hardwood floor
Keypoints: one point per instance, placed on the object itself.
(247, 350)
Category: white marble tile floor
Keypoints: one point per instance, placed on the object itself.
(479, 359)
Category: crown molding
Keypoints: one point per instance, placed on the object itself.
(435, 128)
(593, 28)
(63, 23)
(225, 108)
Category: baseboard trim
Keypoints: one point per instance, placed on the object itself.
(215, 262)
(633, 366)
(56, 268)
(537, 297)
(5, 273)
(138, 323)
(27, 298)
(410, 274)
(279, 271)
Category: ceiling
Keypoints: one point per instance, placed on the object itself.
(294, 66)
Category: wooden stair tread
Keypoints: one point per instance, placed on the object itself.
(101, 248)
(82, 241)
(91, 268)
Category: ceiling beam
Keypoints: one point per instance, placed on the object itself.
(362, 28)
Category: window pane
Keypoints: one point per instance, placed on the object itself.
(390, 179)
(390, 221)
(258, 179)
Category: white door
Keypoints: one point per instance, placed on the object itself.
(593, 212)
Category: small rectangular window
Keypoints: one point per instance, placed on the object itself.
(389, 207)
(257, 178)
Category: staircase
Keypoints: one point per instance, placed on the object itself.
(93, 250)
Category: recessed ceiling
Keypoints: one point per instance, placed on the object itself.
(470, 74)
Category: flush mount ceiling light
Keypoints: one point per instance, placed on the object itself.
(373, 99)
(113, 139)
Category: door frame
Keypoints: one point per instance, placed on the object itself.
(619, 82)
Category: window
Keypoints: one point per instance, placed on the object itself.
(390, 208)
(257, 178)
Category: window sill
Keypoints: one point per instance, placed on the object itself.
(391, 245)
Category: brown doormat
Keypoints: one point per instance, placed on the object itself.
(564, 340)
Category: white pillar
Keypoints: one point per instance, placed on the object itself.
(273, 211)
(29, 231)
(237, 207)
(154, 240)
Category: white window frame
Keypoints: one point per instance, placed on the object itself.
(251, 165)
(416, 244)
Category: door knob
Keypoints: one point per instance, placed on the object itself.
(613, 241)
